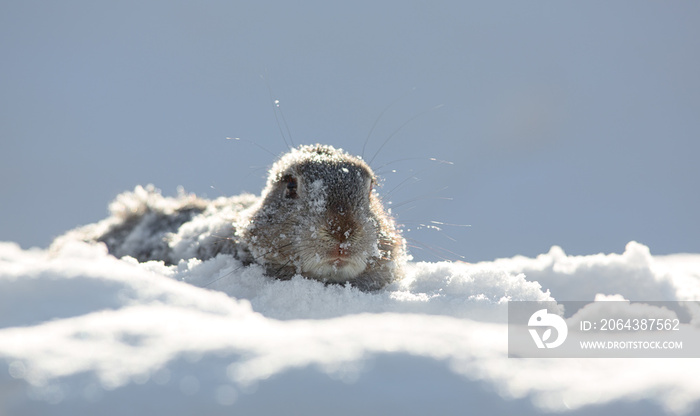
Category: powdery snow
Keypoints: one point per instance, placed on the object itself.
(82, 332)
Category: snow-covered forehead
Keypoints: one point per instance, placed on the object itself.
(315, 162)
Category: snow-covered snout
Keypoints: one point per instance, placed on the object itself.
(319, 217)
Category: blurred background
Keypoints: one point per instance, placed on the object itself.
(567, 123)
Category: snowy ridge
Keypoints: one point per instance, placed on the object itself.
(80, 329)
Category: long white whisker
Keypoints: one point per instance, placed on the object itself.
(399, 129)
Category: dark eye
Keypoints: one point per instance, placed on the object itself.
(291, 191)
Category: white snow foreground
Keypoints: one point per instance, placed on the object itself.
(82, 332)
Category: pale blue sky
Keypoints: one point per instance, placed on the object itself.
(569, 123)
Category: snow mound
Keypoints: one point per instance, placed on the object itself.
(84, 332)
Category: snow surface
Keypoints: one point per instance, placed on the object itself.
(82, 332)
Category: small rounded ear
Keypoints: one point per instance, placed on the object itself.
(372, 183)
(291, 191)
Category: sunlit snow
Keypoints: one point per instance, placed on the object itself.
(84, 330)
